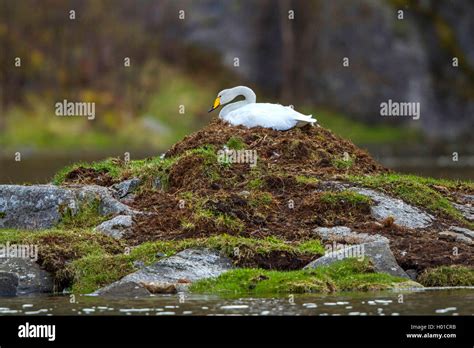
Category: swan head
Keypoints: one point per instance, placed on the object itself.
(227, 95)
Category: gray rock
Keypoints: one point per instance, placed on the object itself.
(331, 185)
(467, 199)
(33, 207)
(25, 276)
(108, 204)
(138, 264)
(8, 284)
(173, 273)
(116, 227)
(41, 206)
(465, 231)
(412, 273)
(403, 213)
(346, 235)
(456, 236)
(124, 289)
(125, 188)
(378, 252)
(466, 210)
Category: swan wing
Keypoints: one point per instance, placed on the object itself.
(268, 115)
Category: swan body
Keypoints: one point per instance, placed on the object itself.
(250, 114)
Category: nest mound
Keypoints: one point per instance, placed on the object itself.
(289, 184)
(280, 193)
(300, 151)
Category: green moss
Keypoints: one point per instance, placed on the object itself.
(417, 191)
(261, 282)
(158, 168)
(448, 276)
(343, 275)
(187, 225)
(343, 162)
(2, 214)
(99, 269)
(255, 184)
(86, 261)
(236, 143)
(13, 236)
(149, 171)
(231, 245)
(345, 197)
(312, 246)
(149, 252)
(94, 271)
(58, 248)
(228, 222)
(306, 180)
(202, 212)
(260, 199)
(88, 215)
(110, 166)
(211, 165)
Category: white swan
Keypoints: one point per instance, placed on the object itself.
(251, 114)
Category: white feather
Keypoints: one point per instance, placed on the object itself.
(267, 115)
(251, 114)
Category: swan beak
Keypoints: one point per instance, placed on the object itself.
(217, 103)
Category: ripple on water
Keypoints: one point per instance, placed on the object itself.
(135, 310)
(446, 310)
(8, 311)
(234, 307)
(429, 302)
(39, 311)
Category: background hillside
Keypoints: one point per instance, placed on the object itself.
(183, 52)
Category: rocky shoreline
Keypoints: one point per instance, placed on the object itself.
(188, 223)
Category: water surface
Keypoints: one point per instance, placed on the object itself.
(425, 302)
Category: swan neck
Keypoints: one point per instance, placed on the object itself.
(249, 95)
(231, 107)
(249, 98)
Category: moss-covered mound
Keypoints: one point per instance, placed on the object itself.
(448, 276)
(258, 184)
(298, 151)
(195, 192)
(349, 274)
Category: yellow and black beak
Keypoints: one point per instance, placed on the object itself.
(217, 103)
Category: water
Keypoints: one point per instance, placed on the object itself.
(40, 168)
(419, 302)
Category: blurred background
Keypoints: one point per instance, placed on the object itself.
(182, 53)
